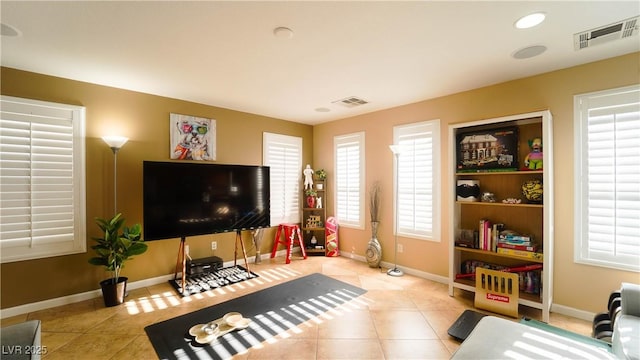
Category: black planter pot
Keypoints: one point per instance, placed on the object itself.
(112, 292)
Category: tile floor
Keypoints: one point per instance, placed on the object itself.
(398, 318)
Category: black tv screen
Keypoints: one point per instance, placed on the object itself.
(188, 199)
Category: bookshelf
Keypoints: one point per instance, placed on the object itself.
(533, 219)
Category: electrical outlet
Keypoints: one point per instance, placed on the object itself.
(214, 245)
(400, 248)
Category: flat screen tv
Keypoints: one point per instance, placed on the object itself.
(188, 199)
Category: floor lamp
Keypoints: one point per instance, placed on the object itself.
(395, 271)
(115, 143)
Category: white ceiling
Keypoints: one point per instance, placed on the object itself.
(225, 54)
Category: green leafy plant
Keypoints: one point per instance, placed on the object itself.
(311, 192)
(321, 174)
(116, 247)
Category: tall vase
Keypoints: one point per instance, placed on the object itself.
(374, 250)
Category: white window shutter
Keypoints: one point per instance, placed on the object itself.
(42, 179)
(608, 164)
(417, 175)
(349, 178)
(283, 155)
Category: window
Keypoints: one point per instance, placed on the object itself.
(42, 179)
(283, 154)
(607, 173)
(349, 162)
(418, 179)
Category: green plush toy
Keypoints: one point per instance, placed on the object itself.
(533, 160)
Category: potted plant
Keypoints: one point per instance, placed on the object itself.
(112, 250)
(311, 197)
(321, 174)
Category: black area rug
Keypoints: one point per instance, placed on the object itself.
(273, 311)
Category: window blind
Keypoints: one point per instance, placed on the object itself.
(42, 186)
(349, 169)
(608, 209)
(283, 155)
(417, 178)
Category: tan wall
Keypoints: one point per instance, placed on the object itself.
(576, 286)
(144, 119)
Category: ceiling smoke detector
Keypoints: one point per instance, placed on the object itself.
(604, 34)
(351, 101)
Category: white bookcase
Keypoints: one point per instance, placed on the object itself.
(525, 218)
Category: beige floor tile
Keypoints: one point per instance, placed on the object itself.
(349, 325)
(93, 346)
(285, 349)
(397, 318)
(402, 324)
(351, 349)
(415, 349)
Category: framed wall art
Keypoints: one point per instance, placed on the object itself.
(192, 138)
(488, 150)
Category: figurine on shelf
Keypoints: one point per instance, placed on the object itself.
(318, 203)
(308, 177)
(533, 160)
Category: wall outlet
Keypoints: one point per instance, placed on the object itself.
(214, 245)
(400, 248)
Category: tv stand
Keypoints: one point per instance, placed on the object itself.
(244, 252)
(182, 258)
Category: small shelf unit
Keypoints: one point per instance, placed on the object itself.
(318, 231)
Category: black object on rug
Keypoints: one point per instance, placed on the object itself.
(272, 311)
(465, 323)
(212, 280)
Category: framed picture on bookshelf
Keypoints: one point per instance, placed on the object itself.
(487, 150)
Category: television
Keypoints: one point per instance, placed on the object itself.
(183, 199)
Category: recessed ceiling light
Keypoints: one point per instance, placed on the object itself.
(530, 20)
(8, 30)
(529, 52)
(283, 32)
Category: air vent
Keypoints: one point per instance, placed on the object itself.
(351, 101)
(616, 31)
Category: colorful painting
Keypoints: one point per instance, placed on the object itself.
(192, 138)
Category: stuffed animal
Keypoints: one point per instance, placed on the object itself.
(533, 160)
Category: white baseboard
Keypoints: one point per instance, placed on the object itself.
(569, 311)
(88, 295)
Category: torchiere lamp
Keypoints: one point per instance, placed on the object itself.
(115, 143)
(395, 271)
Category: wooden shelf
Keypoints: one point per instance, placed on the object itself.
(491, 253)
(315, 252)
(312, 228)
(521, 172)
(480, 203)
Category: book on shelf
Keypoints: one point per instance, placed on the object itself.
(488, 234)
(521, 253)
(515, 239)
(533, 247)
